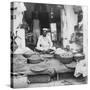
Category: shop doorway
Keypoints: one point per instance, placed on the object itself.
(43, 13)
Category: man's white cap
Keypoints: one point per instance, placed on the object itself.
(45, 29)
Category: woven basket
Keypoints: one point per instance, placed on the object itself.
(64, 60)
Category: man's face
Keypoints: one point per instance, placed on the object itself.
(44, 33)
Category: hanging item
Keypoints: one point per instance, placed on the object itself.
(53, 31)
(36, 30)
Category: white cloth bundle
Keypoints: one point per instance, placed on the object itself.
(59, 51)
(81, 68)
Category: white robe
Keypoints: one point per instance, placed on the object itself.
(44, 43)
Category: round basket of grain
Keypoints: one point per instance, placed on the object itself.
(28, 54)
(34, 59)
(66, 58)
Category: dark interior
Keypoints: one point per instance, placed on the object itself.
(42, 12)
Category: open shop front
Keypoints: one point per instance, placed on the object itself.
(65, 61)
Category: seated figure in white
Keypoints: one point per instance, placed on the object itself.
(44, 42)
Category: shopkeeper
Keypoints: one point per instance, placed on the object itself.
(44, 42)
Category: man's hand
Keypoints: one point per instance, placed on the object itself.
(44, 51)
